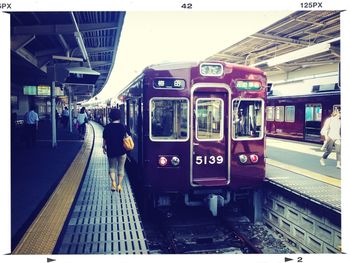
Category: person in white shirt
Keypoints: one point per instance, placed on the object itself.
(31, 121)
(332, 129)
(324, 130)
(65, 117)
(82, 119)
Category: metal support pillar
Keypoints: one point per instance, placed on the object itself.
(53, 115)
(70, 109)
(75, 107)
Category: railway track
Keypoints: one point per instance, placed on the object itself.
(192, 230)
(195, 231)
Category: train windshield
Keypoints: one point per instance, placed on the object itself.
(247, 119)
(169, 119)
(209, 117)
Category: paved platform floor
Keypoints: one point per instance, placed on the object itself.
(302, 154)
(35, 173)
(102, 221)
(296, 166)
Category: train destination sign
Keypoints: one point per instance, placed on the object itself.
(248, 85)
(169, 83)
(211, 69)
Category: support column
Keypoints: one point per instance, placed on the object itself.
(53, 115)
(70, 109)
(75, 107)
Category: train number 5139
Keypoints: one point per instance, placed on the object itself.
(209, 159)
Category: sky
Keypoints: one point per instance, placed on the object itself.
(155, 37)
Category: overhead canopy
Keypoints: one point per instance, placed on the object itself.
(39, 39)
(300, 30)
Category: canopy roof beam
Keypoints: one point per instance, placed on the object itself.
(62, 28)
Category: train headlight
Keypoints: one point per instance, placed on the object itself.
(254, 158)
(243, 158)
(162, 161)
(175, 161)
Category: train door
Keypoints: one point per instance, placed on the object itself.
(210, 137)
(313, 117)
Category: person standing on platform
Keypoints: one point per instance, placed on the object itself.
(31, 122)
(332, 129)
(113, 135)
(65, 117)
(325, 129)
(82, 119)
(57, 116)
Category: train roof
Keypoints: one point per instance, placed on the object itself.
(185, 65)
(314, 94)
(191, 64)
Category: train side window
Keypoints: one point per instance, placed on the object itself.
(313, 112)
(247, 119)
(279, 113)
(270, 113)
(209, 119)
(169, 119)
(289, 114)
(132, 117)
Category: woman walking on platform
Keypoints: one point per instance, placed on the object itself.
(113, 135)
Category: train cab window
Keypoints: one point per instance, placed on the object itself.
(247, 119)
(289, 113)
(270, 113)
(209, 119)
(279, 113)
(169, 119)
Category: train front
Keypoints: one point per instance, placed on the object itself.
(206, 132)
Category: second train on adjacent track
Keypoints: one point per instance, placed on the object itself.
(301, 117)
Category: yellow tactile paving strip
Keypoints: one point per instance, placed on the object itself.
(305, 172)
(42, 235)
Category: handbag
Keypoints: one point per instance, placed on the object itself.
(128, 143)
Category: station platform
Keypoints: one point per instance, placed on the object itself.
(36, 172)
(296, 167)
(63, 204)
(82, 209)
(103, 221)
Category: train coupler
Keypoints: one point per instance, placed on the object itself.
(214, 202)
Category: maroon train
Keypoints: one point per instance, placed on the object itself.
(198, 131)
(300, 117)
